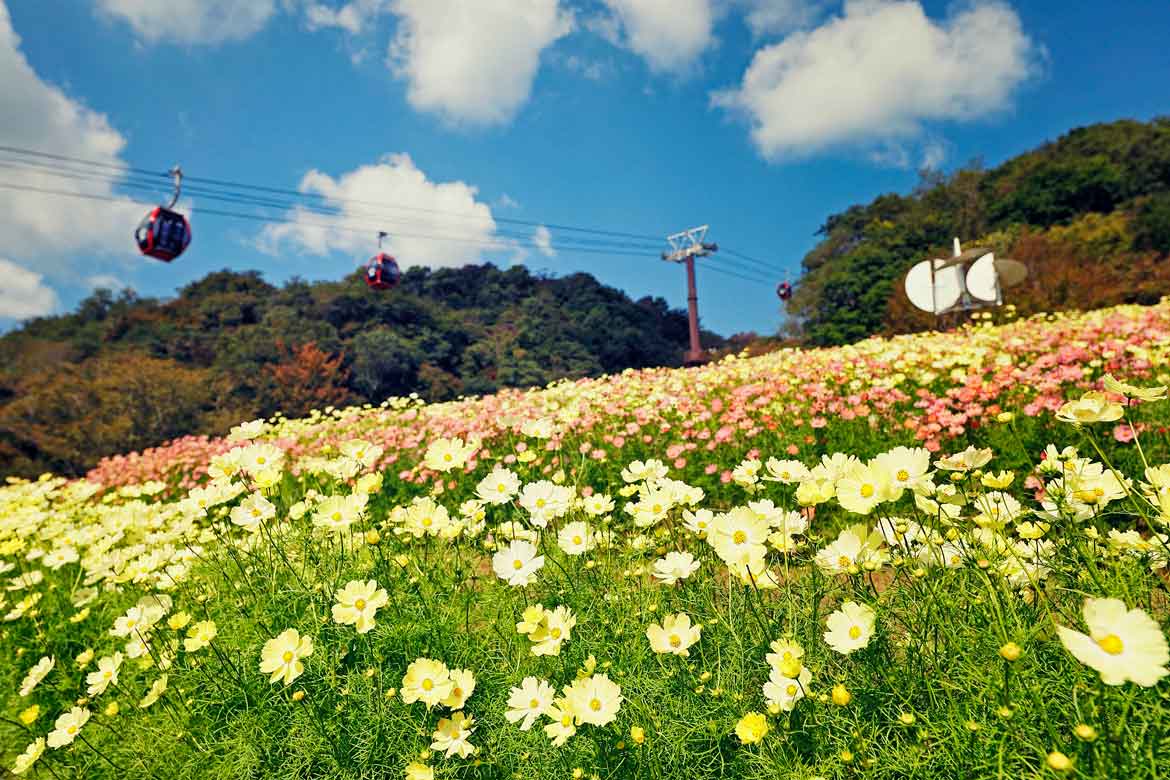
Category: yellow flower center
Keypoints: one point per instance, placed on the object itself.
(501, 488)
(790, 690)
(555, 633)
(428, 684)
(517, 565)
(1111, 644)
(71, 730)
(844, 561)
(131, 623)
(566, 721)
(107, 674)
(576, 540)
(288, 656)
(427, 522)
(854, 632)
(903, 475)
(360, 603)
(787, 655)
(540, 502)
(675, 640)
(534, 704)
(739, 537)
(866, 490)
(595, 704)
(255, 512)
(448, 457)
(261, 460)
(657, 508)
(337, 517)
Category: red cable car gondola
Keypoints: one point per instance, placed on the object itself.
(784, 290)
(382, 271)
(164, 234)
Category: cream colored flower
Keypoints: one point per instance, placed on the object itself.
(452, 735)
(30, 756)
(1092, 407)
(529, 701)
(281, 656)
(358, 603)
(157, 689)
(784, 692)
(200, 635)
(595, 699)
(428, 681)
(674, 636)
(850, 628)
(36, 674)
(1122, 644)
(674, 567)
(518, 563)
(105, 676)
(1131, 391)
(67, 727)
(462, 686)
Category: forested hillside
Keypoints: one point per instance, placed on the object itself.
(122, 373)
(1089, 213)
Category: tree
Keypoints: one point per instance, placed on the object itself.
(306, 378)
(1151, 228)
(384, 364)
(69, 416)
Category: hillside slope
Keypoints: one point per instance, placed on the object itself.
(1089, 213)
(127, 373)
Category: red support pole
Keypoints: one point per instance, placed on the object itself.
(695, 354)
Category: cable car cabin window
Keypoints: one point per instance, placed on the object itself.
(163, 234)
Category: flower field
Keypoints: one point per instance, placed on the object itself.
(934, 556)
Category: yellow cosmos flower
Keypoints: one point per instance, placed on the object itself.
(1092, 407)
(674, 636)
(281, 656)
(752, 728)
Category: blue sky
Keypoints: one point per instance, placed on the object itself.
(759, 117)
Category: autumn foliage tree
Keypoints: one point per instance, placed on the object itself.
(306, 377)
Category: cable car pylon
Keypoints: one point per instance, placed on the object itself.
(684, 248)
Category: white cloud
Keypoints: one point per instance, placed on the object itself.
(878, 72)
(191, 21)
(40, 116)
(473, 61)
(443, 225)
(773, 17)
(934, 153)
(105, 281)
(542, 240)
(24, 293)
(506, 201)
(353, 17)
(669, 34)
(594, 70)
